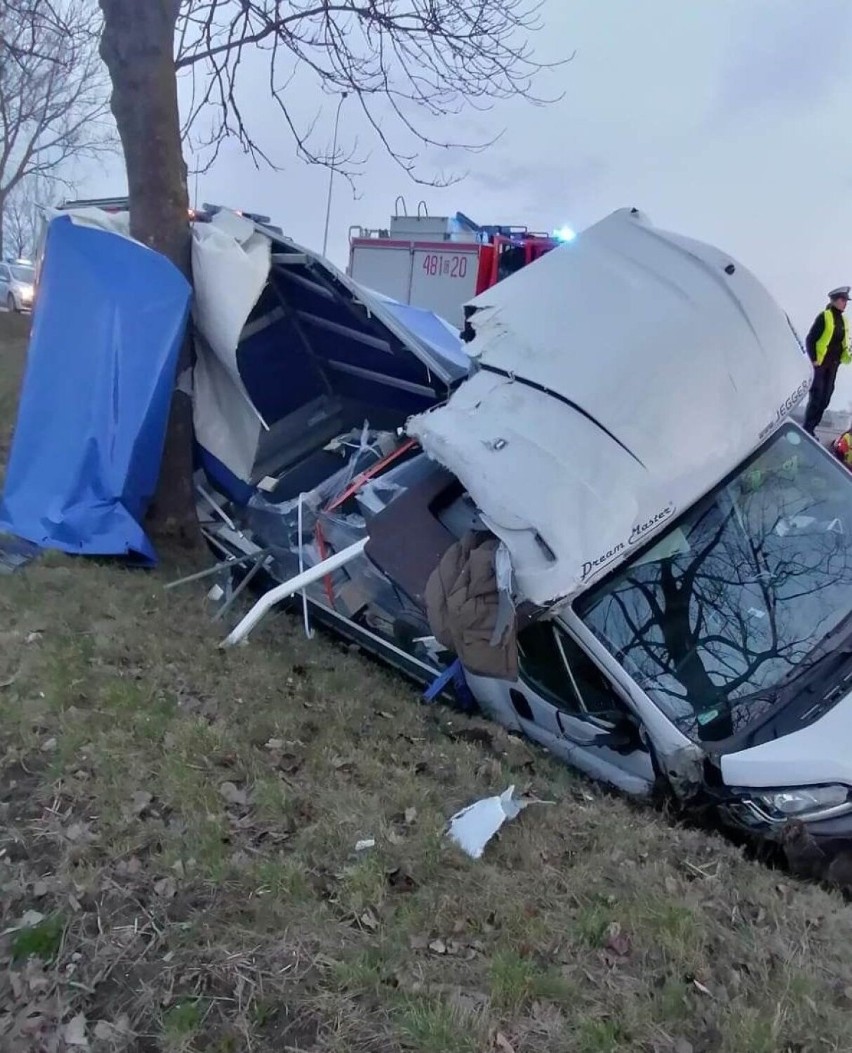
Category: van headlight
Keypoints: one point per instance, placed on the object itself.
(801, 802)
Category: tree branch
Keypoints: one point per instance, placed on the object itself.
(421, 60)
(53, 90)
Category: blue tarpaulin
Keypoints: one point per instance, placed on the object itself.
(108, 326)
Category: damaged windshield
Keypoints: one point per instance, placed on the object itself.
(729, 600)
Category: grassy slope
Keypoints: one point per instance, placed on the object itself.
(185, 821)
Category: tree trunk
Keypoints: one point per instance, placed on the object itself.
(137, 46)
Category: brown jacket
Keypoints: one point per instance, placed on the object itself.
(462, 602)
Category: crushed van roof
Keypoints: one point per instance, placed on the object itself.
(617, 379)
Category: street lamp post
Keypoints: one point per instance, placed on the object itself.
(343, 96)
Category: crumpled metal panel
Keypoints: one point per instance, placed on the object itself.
(620, 377)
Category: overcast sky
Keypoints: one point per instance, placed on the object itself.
(726, 120)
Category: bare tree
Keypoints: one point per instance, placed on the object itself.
(23, 212)
(53, 92)
(402, 59)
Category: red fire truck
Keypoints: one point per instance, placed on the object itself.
(441, 262)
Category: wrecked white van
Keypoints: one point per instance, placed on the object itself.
(673, 552)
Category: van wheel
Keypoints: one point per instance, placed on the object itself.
(10, 304)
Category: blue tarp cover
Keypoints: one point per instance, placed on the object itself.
(108, 326)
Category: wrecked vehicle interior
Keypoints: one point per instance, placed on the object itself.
(658, 597)
(329, 376)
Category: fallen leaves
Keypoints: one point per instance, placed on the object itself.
(232, 794)
(502, 1044)
(368, 920)
(440, 947)
(400, 880)
(132, 910)
(29, 982)
(702, 988)
(129, 867)
(30, 919)
(165, 888)
(139, 806)
(282, 756)
(74, 1032)
(617, 944)
(142, 799)
(79, 834)
(106, 1031)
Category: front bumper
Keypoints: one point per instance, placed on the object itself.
(834, 836)
(830, 837)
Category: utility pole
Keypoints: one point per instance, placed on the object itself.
(343, 97)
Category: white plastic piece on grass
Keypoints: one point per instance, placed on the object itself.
(368, 842)
(473, 827)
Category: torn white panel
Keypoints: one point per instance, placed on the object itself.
(621, 377)
(97, 218)
(230, 266)
(473, 827)
(225, 421)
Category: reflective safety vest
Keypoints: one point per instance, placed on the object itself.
(828, 333)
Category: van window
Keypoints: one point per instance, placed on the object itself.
(729, 602)
(553, 664)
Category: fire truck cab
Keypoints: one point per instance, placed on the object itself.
(440, 262)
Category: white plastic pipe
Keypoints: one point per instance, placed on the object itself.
(291, 587)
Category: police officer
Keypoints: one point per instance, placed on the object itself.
(827, 345)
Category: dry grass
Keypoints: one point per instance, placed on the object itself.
(178, 868)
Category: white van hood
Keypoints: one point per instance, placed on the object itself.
(816, 755)
(621, 376)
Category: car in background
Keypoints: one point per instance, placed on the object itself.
(17, 285)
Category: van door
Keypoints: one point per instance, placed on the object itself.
(565, 701)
